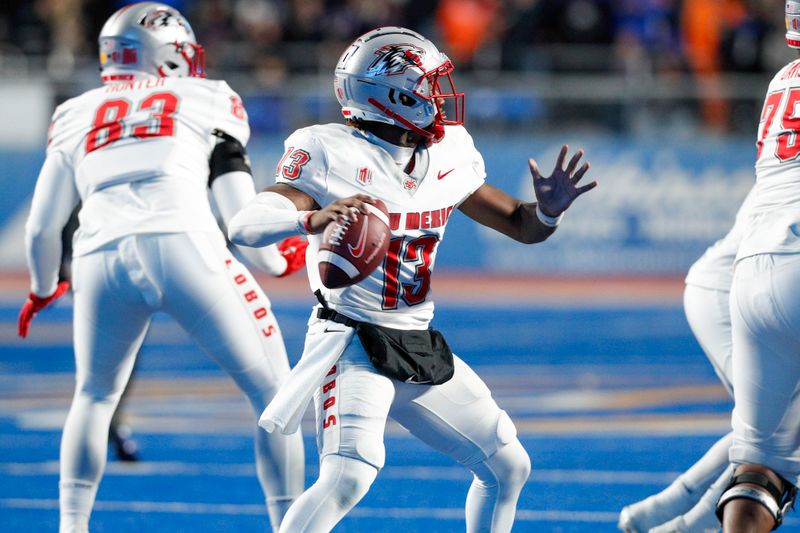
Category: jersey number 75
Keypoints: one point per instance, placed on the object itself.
(788, 144)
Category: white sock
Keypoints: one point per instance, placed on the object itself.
(280, 465)
(76, 499)
(342, 483)
(703, 516)
(707, 469)
(493, 495)
(84, 445)
(277, 508)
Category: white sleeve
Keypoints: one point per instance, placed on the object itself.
(304, 165)
(54, 199)
(231, 192)
(268, 218)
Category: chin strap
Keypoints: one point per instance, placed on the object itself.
(434, 134)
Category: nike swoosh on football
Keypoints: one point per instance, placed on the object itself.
(361, 245)
(443, 174)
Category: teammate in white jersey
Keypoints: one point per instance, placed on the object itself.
(688, 504)
(404, 144)
(141, 153)
(765, 317)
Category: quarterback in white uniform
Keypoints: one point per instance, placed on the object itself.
(141, 153)
(765, 317)
(403, 143)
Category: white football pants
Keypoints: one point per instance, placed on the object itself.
(458, 418)
(765, 316)
(194, 279)
(709, 317)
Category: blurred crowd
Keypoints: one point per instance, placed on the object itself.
(271, 40)
(281, 35)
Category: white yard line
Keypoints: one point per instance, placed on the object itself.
(171, 468)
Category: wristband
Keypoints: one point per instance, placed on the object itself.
(547, 220)
(303, 221)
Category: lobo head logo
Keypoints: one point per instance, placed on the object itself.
(161, 18)
(395, 59)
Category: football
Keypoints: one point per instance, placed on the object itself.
(351, 250)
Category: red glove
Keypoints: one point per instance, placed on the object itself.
(34, 304)
(293, 249)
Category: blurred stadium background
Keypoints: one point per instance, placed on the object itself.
(664, 95)
(583, 341)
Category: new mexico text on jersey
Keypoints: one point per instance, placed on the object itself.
(334, 161)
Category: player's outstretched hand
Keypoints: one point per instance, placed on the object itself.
(34, 304)
(341, 210)
(293, 249)
(556, 193)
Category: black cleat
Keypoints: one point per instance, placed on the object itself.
(125, 448)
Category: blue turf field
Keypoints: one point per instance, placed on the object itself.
(611, 403)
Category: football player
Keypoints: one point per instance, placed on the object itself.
(402, 142)
(765, 318)
(688, 504)
(141, 153)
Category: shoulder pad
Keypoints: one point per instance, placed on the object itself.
(304, 155)
(230, 113)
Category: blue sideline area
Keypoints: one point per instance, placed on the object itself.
(611, 403)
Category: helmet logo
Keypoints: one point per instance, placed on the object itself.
(162, 19)
(395, 59)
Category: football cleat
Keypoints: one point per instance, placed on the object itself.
(121, 439)
(657, 509)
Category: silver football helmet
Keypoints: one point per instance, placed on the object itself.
(792, 23)
(149, 38)
(397, 76)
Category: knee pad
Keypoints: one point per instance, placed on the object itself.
(506, 430)
(519, 463)
(346, 479)
(767, 494)
(510, 467)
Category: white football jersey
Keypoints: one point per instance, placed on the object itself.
(773, 225)
(139, 153)
(714, 269)
(334, 161)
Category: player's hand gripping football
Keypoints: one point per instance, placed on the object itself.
(293, 249)
(34, 304)
(556, 193)
(340, 210)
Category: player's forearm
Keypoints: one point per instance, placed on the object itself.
(532, 226)
(43, 251)
(269, 218)
(53, 201)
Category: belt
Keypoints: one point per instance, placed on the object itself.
(329, 314)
